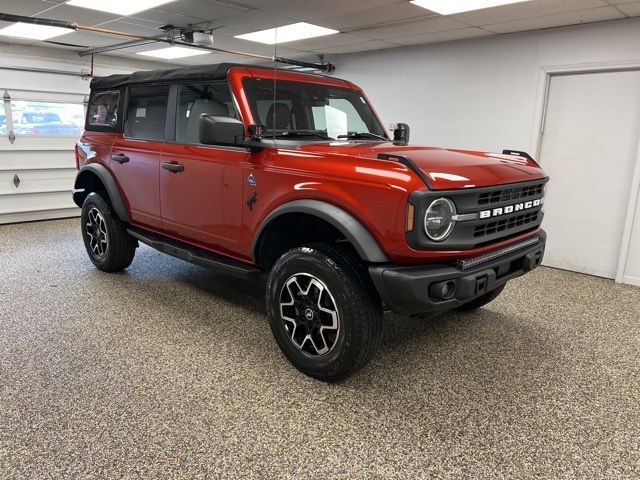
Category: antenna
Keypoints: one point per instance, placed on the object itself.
(275, 85)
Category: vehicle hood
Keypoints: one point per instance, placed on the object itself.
(445, 168)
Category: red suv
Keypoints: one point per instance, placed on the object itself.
(256, 171)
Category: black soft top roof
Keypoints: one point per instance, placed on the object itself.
(196, 72)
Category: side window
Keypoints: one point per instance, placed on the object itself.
(103, 110)
(195, 99)
(147, 112)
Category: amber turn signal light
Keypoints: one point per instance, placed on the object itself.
(411, 210)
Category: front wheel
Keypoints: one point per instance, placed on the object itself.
(324, 314)
(105, 236)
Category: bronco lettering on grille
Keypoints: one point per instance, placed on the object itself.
(497, 212)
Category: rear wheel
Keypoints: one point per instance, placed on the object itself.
(105, 236)
(481, 301)
(323, 313)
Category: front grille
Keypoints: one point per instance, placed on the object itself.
(507, 194)
(505, 225)
(475, 225)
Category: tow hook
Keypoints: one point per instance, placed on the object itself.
(532, 260)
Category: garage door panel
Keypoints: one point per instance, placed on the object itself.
(34, 181)
(33, 144)
(47, 111)
(34, 202)
(39, 159)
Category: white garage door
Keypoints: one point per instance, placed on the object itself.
(589, 149)
(38, 168)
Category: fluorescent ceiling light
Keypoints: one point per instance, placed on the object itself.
(287, 33)
(33, 32)
(119, 7)
(449, 7)
(170, 53)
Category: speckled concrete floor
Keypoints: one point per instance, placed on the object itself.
(169, 371)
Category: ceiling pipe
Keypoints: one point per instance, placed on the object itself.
(118, 46)
(7, 17)
(45, 70)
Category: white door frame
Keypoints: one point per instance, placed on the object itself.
(545, 74)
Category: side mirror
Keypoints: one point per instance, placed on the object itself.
(401, 133)
(215, 130)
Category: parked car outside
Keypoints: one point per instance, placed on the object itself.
(44, 123)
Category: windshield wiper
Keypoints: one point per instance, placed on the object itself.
(357, 135)
(303, 133)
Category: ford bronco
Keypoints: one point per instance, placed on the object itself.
(260, 172)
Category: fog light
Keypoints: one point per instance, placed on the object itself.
(442, 290)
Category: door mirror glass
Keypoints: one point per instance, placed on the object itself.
(401, 133)
(216, 130)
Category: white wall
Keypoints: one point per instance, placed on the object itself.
(487, 93)
(480, 93)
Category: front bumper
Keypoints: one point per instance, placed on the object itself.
(416, 290)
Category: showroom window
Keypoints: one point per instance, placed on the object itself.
(40, 118)
(147, 112)
(103, 110)
(195, 99)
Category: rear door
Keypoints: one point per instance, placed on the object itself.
(136, 155)
(201, 185)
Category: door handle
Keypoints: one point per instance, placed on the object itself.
(173, 167)
(120, 158)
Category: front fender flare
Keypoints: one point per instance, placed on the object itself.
(362, 240)
(109, 184)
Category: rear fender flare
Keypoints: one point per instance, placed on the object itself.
(109, 184)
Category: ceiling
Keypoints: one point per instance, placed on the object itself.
(364, 24)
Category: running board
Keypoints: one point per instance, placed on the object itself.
(195, 255)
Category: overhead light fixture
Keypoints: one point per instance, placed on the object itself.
(119, 7)
(287, 33)
(449, 7)
(33, 31)
(174, 52)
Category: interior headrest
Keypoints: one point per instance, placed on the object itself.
(282, 116)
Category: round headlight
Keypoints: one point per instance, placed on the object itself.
(438, 221)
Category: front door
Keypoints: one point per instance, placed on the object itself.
(201, 186)
(135, 156)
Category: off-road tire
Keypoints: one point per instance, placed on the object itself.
(481, 301)
(358, 308)
(120, 247)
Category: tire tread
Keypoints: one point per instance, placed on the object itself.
(365, 309)
(122, 246)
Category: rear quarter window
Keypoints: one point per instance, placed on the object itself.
(102, 112)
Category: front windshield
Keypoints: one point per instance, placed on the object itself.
(311, 110)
